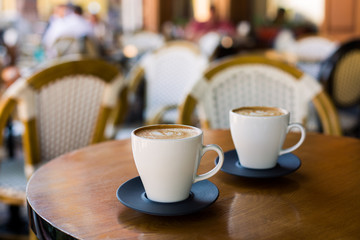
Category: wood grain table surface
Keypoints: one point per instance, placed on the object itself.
(74, 196)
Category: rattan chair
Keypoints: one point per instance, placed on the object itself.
(169, 72)
(63, 107)
(311, 51)
(209, 43)
(63, 46)
(256, 80)
(340, 75)
(144, 41)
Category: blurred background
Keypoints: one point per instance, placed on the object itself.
(249, 23)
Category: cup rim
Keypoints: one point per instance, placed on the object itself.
(199, 132)
(286, 112)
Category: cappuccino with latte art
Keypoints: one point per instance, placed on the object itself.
(167, 157)
(167, 132)
(260, 111)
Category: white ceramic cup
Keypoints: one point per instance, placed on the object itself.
(258, 134)
(168, 165)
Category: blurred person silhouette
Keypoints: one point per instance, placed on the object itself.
(194, 30)
(99, 26)
(281, 17)
(73, 25)
(58, 12)
(102, 37)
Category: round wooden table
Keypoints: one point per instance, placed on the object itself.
(74, 196)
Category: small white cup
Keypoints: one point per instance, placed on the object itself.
(258, 134)
(167, 163)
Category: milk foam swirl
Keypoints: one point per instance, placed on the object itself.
(166, 133)
(260, 111)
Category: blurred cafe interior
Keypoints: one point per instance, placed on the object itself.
(159, 50)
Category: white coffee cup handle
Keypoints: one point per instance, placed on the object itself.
(302, 138)
(218, 166)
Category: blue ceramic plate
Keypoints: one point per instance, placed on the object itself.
(287, 164)
(132, 195)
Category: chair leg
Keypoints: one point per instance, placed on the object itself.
(10, 146)
(14, 216)
(15, 222)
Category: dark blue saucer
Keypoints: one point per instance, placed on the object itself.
(286, 164)
(132, 195)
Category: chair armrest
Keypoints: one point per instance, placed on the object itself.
(134, 78)
(7, 106)
(157, 118)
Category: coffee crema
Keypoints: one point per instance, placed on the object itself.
(166, 132)
(260, 111)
